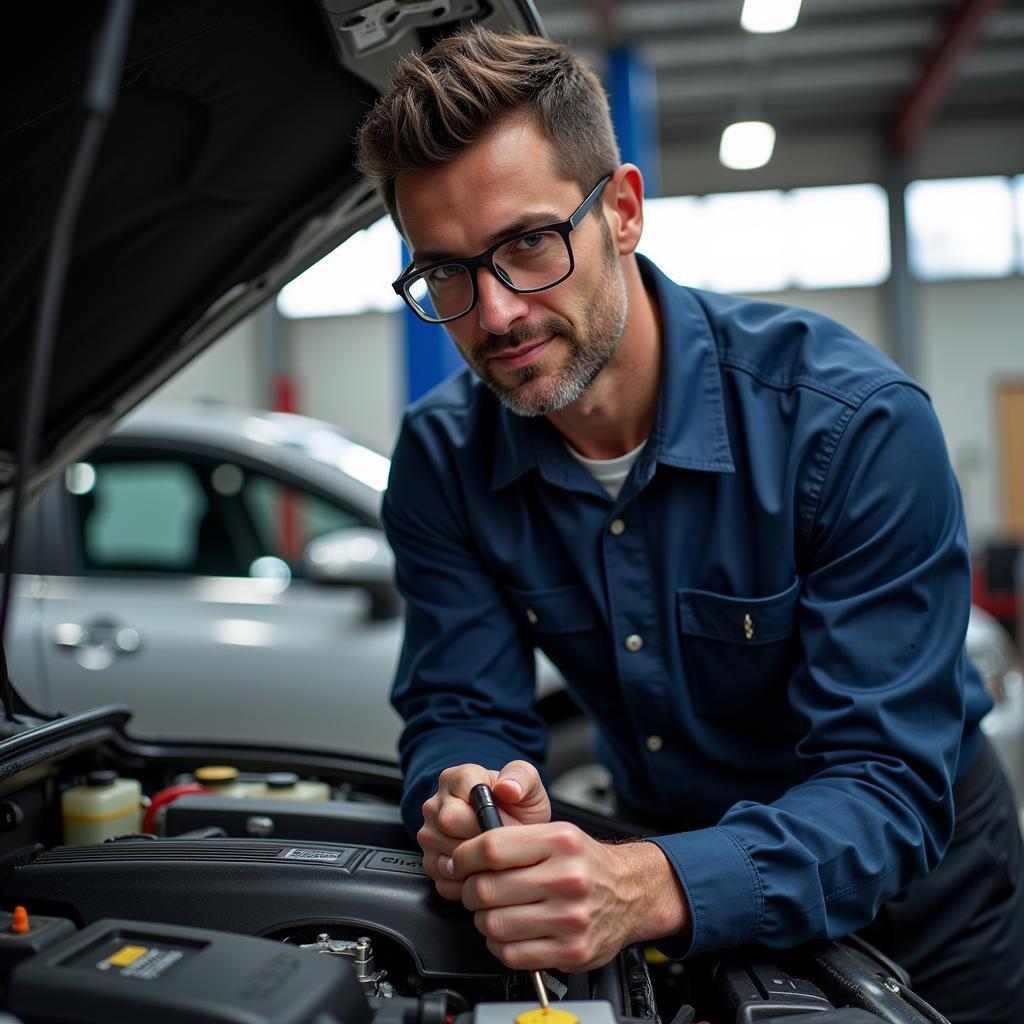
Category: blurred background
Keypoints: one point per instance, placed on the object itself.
(878, 179)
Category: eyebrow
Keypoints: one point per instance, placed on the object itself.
(535, 220)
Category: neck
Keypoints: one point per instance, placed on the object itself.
(616, 412)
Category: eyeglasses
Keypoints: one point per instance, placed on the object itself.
(527, 262)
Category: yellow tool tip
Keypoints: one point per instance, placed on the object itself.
(547, 1016)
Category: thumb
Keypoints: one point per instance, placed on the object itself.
(521, 794)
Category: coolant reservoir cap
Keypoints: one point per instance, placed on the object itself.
(216, 774)
(547, 1015)
(101, 777)
(281, 780)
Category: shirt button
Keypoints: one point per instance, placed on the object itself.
(618, 527)
(531, 616)
(634, 642)
(654, 743)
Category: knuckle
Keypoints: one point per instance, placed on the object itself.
(577, 883)
(480, 890)
(569, 838)
(507, 953)
(575, 953)
(490, 844)
(576, 921)
(490, 924)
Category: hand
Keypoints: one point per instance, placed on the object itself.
(549, 895)
(449, 818)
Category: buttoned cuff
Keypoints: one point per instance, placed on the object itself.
(722, 888)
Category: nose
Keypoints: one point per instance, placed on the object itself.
(498, 306)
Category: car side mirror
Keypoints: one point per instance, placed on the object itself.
(356, 557)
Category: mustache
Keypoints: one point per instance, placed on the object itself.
(495, 344)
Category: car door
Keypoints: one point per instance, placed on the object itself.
(185, 600)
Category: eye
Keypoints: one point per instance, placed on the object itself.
(531, 241)
(440, 275)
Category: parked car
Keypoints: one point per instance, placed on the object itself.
(226, 560)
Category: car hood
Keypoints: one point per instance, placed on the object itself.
(225, 171)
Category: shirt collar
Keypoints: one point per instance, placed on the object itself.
(689, 428)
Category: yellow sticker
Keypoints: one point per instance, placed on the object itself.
(126, 955)
(548, 1016)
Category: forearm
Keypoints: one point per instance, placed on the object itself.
(656, 902)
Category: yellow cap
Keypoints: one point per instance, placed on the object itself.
(216, 773)
(547, 1015)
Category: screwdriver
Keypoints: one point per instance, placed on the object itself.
(487, 817)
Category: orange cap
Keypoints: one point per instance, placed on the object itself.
(20, 924)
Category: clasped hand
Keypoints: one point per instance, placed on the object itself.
(544, 894)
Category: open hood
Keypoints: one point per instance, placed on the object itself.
(226, 170)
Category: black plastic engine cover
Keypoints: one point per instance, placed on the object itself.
(259, 887)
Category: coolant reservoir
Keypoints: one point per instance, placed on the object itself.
(223, 780)
(106, 806)
(288, 786)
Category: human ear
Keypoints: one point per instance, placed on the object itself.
(623, 201)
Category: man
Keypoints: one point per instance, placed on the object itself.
(731, 525)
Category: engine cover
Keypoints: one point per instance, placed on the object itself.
(259, 887)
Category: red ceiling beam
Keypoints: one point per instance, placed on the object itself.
(929, 92)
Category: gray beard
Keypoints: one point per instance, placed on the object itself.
(588, 355)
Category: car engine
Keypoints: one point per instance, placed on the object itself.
(284, 888)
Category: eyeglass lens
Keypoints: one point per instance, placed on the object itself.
(527, 263)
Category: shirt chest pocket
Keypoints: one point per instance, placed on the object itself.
(739, 652)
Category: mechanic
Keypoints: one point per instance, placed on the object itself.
(732, 526)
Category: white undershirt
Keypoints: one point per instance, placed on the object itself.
(609, 473)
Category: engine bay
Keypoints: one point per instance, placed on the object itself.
(257, 885)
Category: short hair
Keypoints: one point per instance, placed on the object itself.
(443, 101)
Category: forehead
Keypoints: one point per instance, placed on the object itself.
(508, 174)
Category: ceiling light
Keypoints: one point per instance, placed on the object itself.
(769, 15)
(746, 145)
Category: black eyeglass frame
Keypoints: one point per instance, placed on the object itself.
(486, 259)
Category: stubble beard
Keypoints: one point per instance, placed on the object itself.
(536, 393)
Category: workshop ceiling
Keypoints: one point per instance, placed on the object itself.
(888, 66)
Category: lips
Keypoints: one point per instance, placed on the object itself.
(523, 355)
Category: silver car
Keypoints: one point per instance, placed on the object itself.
(223, 572)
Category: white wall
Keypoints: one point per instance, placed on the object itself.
(975, 338)
(351, 371)
(229, 371)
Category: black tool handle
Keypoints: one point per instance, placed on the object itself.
(487, 814)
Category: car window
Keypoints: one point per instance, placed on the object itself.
(202, 517)
(141, 515)
(287, 519)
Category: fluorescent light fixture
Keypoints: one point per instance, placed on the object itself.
(769, 15)
(746, 145)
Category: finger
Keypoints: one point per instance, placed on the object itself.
(460, 779)
(500, 849)
(449, 890)
(521, 793)
(437, 843)
(544, 954)
(513, 924)
(513, 887)
(456, 819)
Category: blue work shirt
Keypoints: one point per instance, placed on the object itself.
(766, 625)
